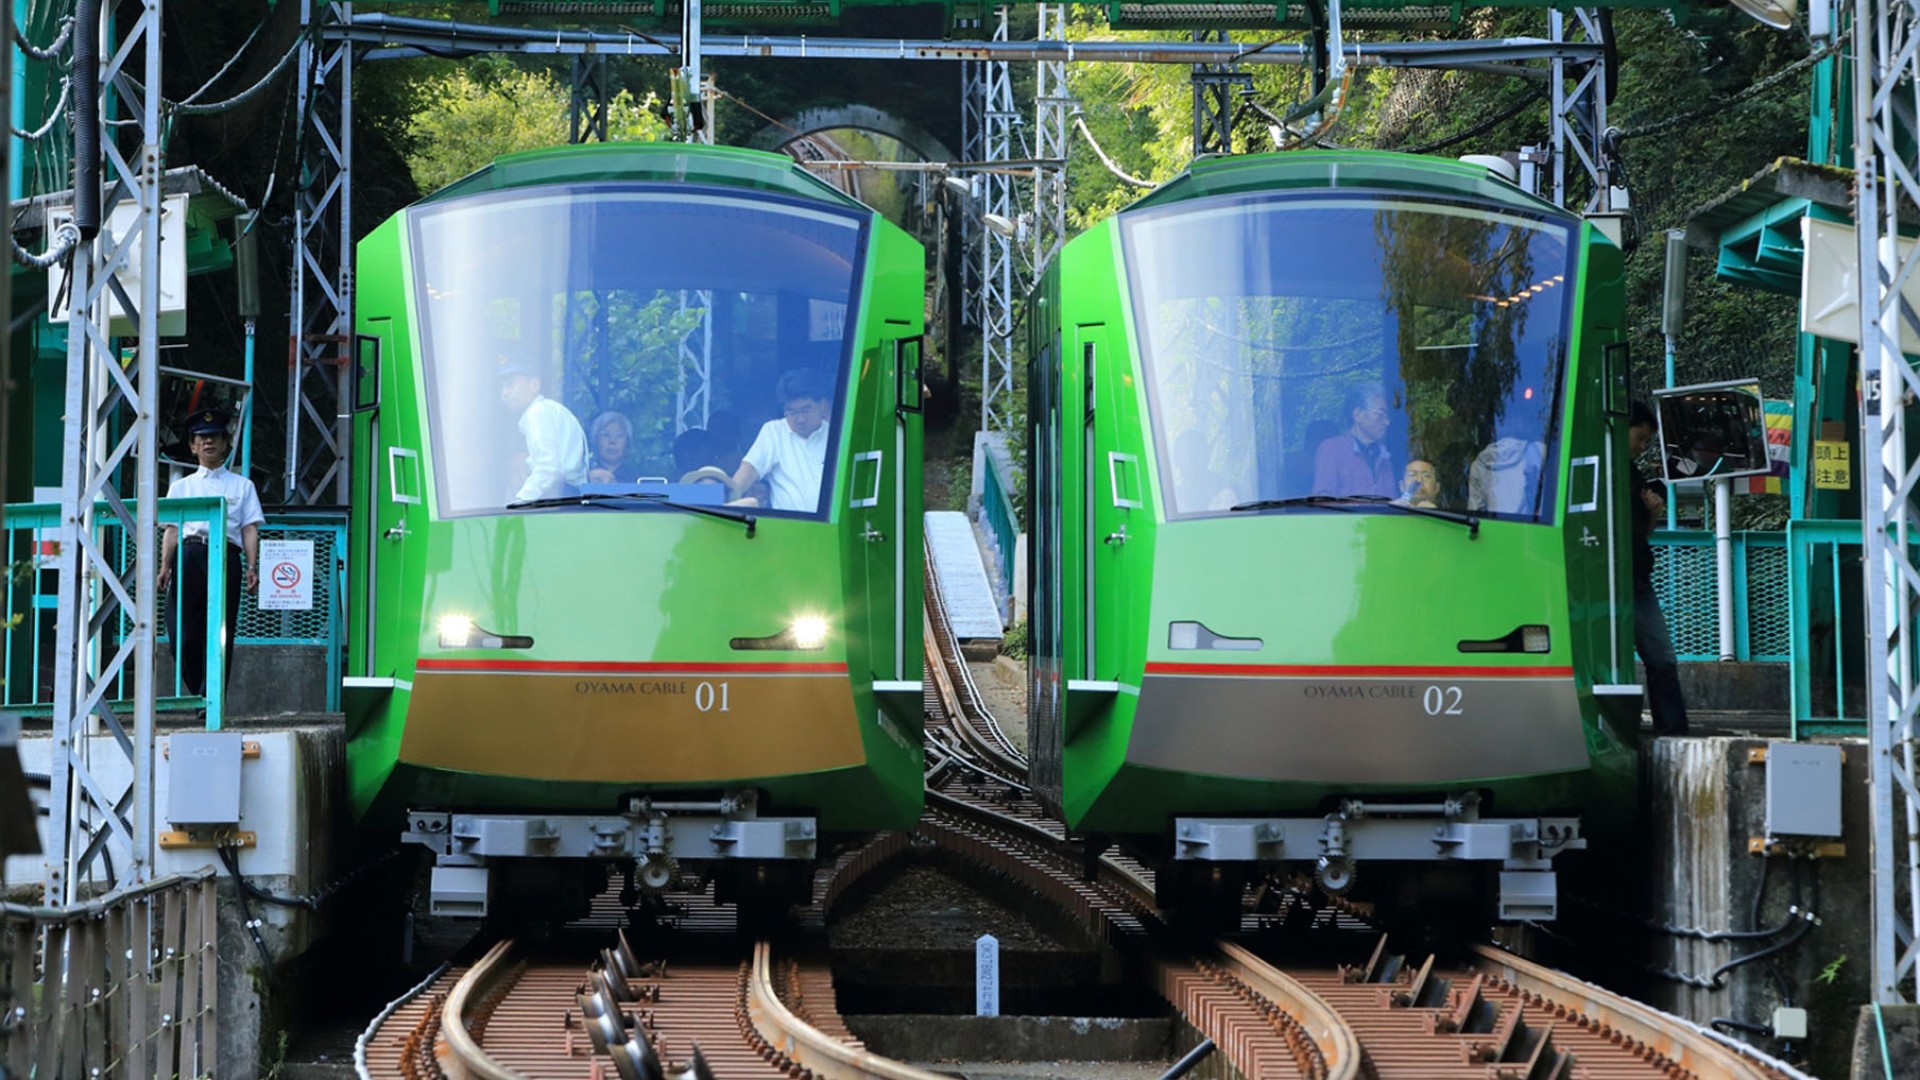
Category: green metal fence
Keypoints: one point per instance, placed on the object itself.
(31, 598)
(1686, 576)
(30, 594)
(1829, 663)
(1003, 521)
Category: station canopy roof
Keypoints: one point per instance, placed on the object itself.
(1755, 228)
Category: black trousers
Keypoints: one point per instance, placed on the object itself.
(187, 612)
(1655, 646)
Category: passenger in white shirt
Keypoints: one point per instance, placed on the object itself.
(791, 453)
(556, 444)
(187, 605)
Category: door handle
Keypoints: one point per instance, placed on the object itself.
(872, 535)
(397, 532)
(1117, 538)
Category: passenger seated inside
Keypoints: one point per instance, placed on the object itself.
(1356, 462)
(556, 457)
(1196, 486)
(791, 452)
(693, 458)
(612, 438)
(723, 434)
(1505, 478)
(1299, 476)
(1419, 486)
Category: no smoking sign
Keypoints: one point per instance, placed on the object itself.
(289, 583)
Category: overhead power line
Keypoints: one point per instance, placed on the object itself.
(1839, 42)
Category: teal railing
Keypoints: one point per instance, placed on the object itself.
(1686, 577)
(31, 596)
(1829, 641)
(1003, 522)
(321, 625)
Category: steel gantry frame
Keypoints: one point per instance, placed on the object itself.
(1052, 104)
(973, 135)
(1579, 112)
(1887, 189)
(106, 615)
(998, 288)
(321, 318)
(1213, 89)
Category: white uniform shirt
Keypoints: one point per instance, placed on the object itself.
(243, 502)
(789, 464)
(556, 450)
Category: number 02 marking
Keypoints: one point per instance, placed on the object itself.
(705, 697)
(1442, 701)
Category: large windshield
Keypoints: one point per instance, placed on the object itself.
(601, 339)
(1380, 348)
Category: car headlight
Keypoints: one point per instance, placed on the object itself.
(460, 632)
(806, 633)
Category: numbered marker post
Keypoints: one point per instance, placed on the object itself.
(986, 976)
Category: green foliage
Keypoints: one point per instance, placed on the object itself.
(1832, 971)
(1013, 643)
(626, 353)
(469, 115)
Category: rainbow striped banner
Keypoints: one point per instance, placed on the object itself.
(1779, 416)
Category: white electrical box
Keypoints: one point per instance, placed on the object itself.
(173, 266)
(1803, 789)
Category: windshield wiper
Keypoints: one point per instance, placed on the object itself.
(614, 499)
(1301, 500)
(1335, 501)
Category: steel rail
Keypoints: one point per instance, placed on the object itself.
(1336, 1040)
(479, 981)
(809, 1047)
(975, 723)
(1691, 1047)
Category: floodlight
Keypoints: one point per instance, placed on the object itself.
(1775, 13)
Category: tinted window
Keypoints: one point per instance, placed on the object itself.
(631, 338)
(1376, 347)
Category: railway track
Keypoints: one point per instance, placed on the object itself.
(1492, 1015)
(569, 1010)
(566, 1012)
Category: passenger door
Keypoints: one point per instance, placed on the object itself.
(1113, 484)
(878, 500)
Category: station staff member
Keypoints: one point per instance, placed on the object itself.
(187, 605)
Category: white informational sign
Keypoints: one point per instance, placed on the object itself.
(986, 976)
(1829, 284)
(286, 575)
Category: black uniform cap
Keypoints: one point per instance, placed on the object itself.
(207, 422)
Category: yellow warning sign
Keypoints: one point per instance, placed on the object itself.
(1832, 464)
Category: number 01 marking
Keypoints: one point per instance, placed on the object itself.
(1442, 701)
(705, 697)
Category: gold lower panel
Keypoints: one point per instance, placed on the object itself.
(632, 729)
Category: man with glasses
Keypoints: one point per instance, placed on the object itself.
(790, 453)
(1356, 462)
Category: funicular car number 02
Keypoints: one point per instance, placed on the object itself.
(1442, 701)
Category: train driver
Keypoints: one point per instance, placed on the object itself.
(790, 453)
(556, 444)
(1356, 461)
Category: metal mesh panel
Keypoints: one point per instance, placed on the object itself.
(1683, 575)
(1769, 620)
(310, 627)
